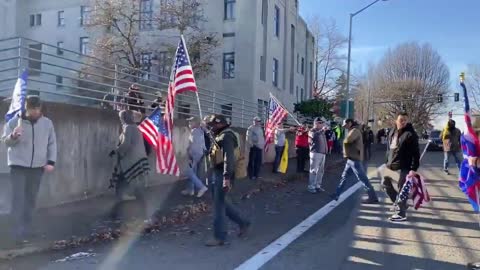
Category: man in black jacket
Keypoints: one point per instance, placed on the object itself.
(403, 156)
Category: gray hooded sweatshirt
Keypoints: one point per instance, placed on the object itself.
(36, 147)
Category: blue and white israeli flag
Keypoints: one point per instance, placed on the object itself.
(18, 97)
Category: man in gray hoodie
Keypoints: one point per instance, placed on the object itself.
(32, 150)
(256, 143)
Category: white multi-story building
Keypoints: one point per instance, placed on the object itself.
(266, 46)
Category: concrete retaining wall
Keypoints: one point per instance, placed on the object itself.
(85, 136)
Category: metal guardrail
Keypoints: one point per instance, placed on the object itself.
(67, 76)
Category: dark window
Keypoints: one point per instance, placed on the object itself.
(228, 65)
(38, 19)
(84, 48)
(59, 79)
(275, 72)
(262, 71)
(296, 94)
(302, 94)
(146, 14)
(35, 58)
(228, 35)
(164, 64)
(276, 22)
(262, 109)
(60, 48)
(85, 15)
(303, 65)
(229, 9)
(61, 18)
(146, 64)
(227, 110)
(32, 20)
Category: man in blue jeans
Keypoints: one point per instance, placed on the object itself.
(353, 152)
(222, 163)
(196, 152)
(256, 143)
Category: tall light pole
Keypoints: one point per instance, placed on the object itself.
(347, 111)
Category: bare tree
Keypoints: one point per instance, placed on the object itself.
(187, 17)
(117, 33)
(329, 59)
(473, 83)
(411, 75)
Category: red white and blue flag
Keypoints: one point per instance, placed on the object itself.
(276, 114)
(469, 181)
(158, 129)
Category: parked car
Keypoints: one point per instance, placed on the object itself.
(435, 141)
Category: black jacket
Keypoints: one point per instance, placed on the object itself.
(407, 155)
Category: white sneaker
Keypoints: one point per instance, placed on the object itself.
(188, 192)
(201, 192)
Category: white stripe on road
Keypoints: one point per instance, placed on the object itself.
(266, 254)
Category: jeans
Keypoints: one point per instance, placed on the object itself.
(317, 169)
(25, 186)
(278, 158)
(194, 171)
(223, 207)
(254, 161)
(456, 156)
(357, 168)
(401, 206)
(302, 156)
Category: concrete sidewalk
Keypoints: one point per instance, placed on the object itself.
(85, 218)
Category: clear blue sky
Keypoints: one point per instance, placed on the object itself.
(451, 26)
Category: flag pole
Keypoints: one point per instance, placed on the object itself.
(294, 118)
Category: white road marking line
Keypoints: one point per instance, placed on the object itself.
(266, 254)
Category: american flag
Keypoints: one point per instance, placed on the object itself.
(157, 129)
(469, 180)
(415, 189)
(154, 130)
(276, 114)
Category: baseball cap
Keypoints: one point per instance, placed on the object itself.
(193, 119)
(257, 119)
(319, 119)
(217, 119)
(346, 121)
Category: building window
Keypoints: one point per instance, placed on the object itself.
(164, 64)
(227, 109)
(229, 65)
(228, 35)
(38, 21)
(60, 48)
(35, 59)
(303, 66)
(32, 20)
(262, 109)
(61, 18)
(59, 79)
(296, 94)
(262, 70)
(146, 65)
(276, 22)
(146, 14)
(311, 77)
(275, 72)
(302, 94)
(84, 45)
(85, 15)
(298, 63)
(229, 9)
(264, 11)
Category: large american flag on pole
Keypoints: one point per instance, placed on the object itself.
(158, 130)
(276, 114)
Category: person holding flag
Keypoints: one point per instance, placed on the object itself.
(32, 150)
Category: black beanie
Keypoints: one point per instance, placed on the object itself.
(33, 102)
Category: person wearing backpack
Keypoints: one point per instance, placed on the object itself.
(196, 153)
(223, 161)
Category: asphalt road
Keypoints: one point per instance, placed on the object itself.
(442, 235)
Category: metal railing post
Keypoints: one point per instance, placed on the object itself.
(243, 110)
(19, 57)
